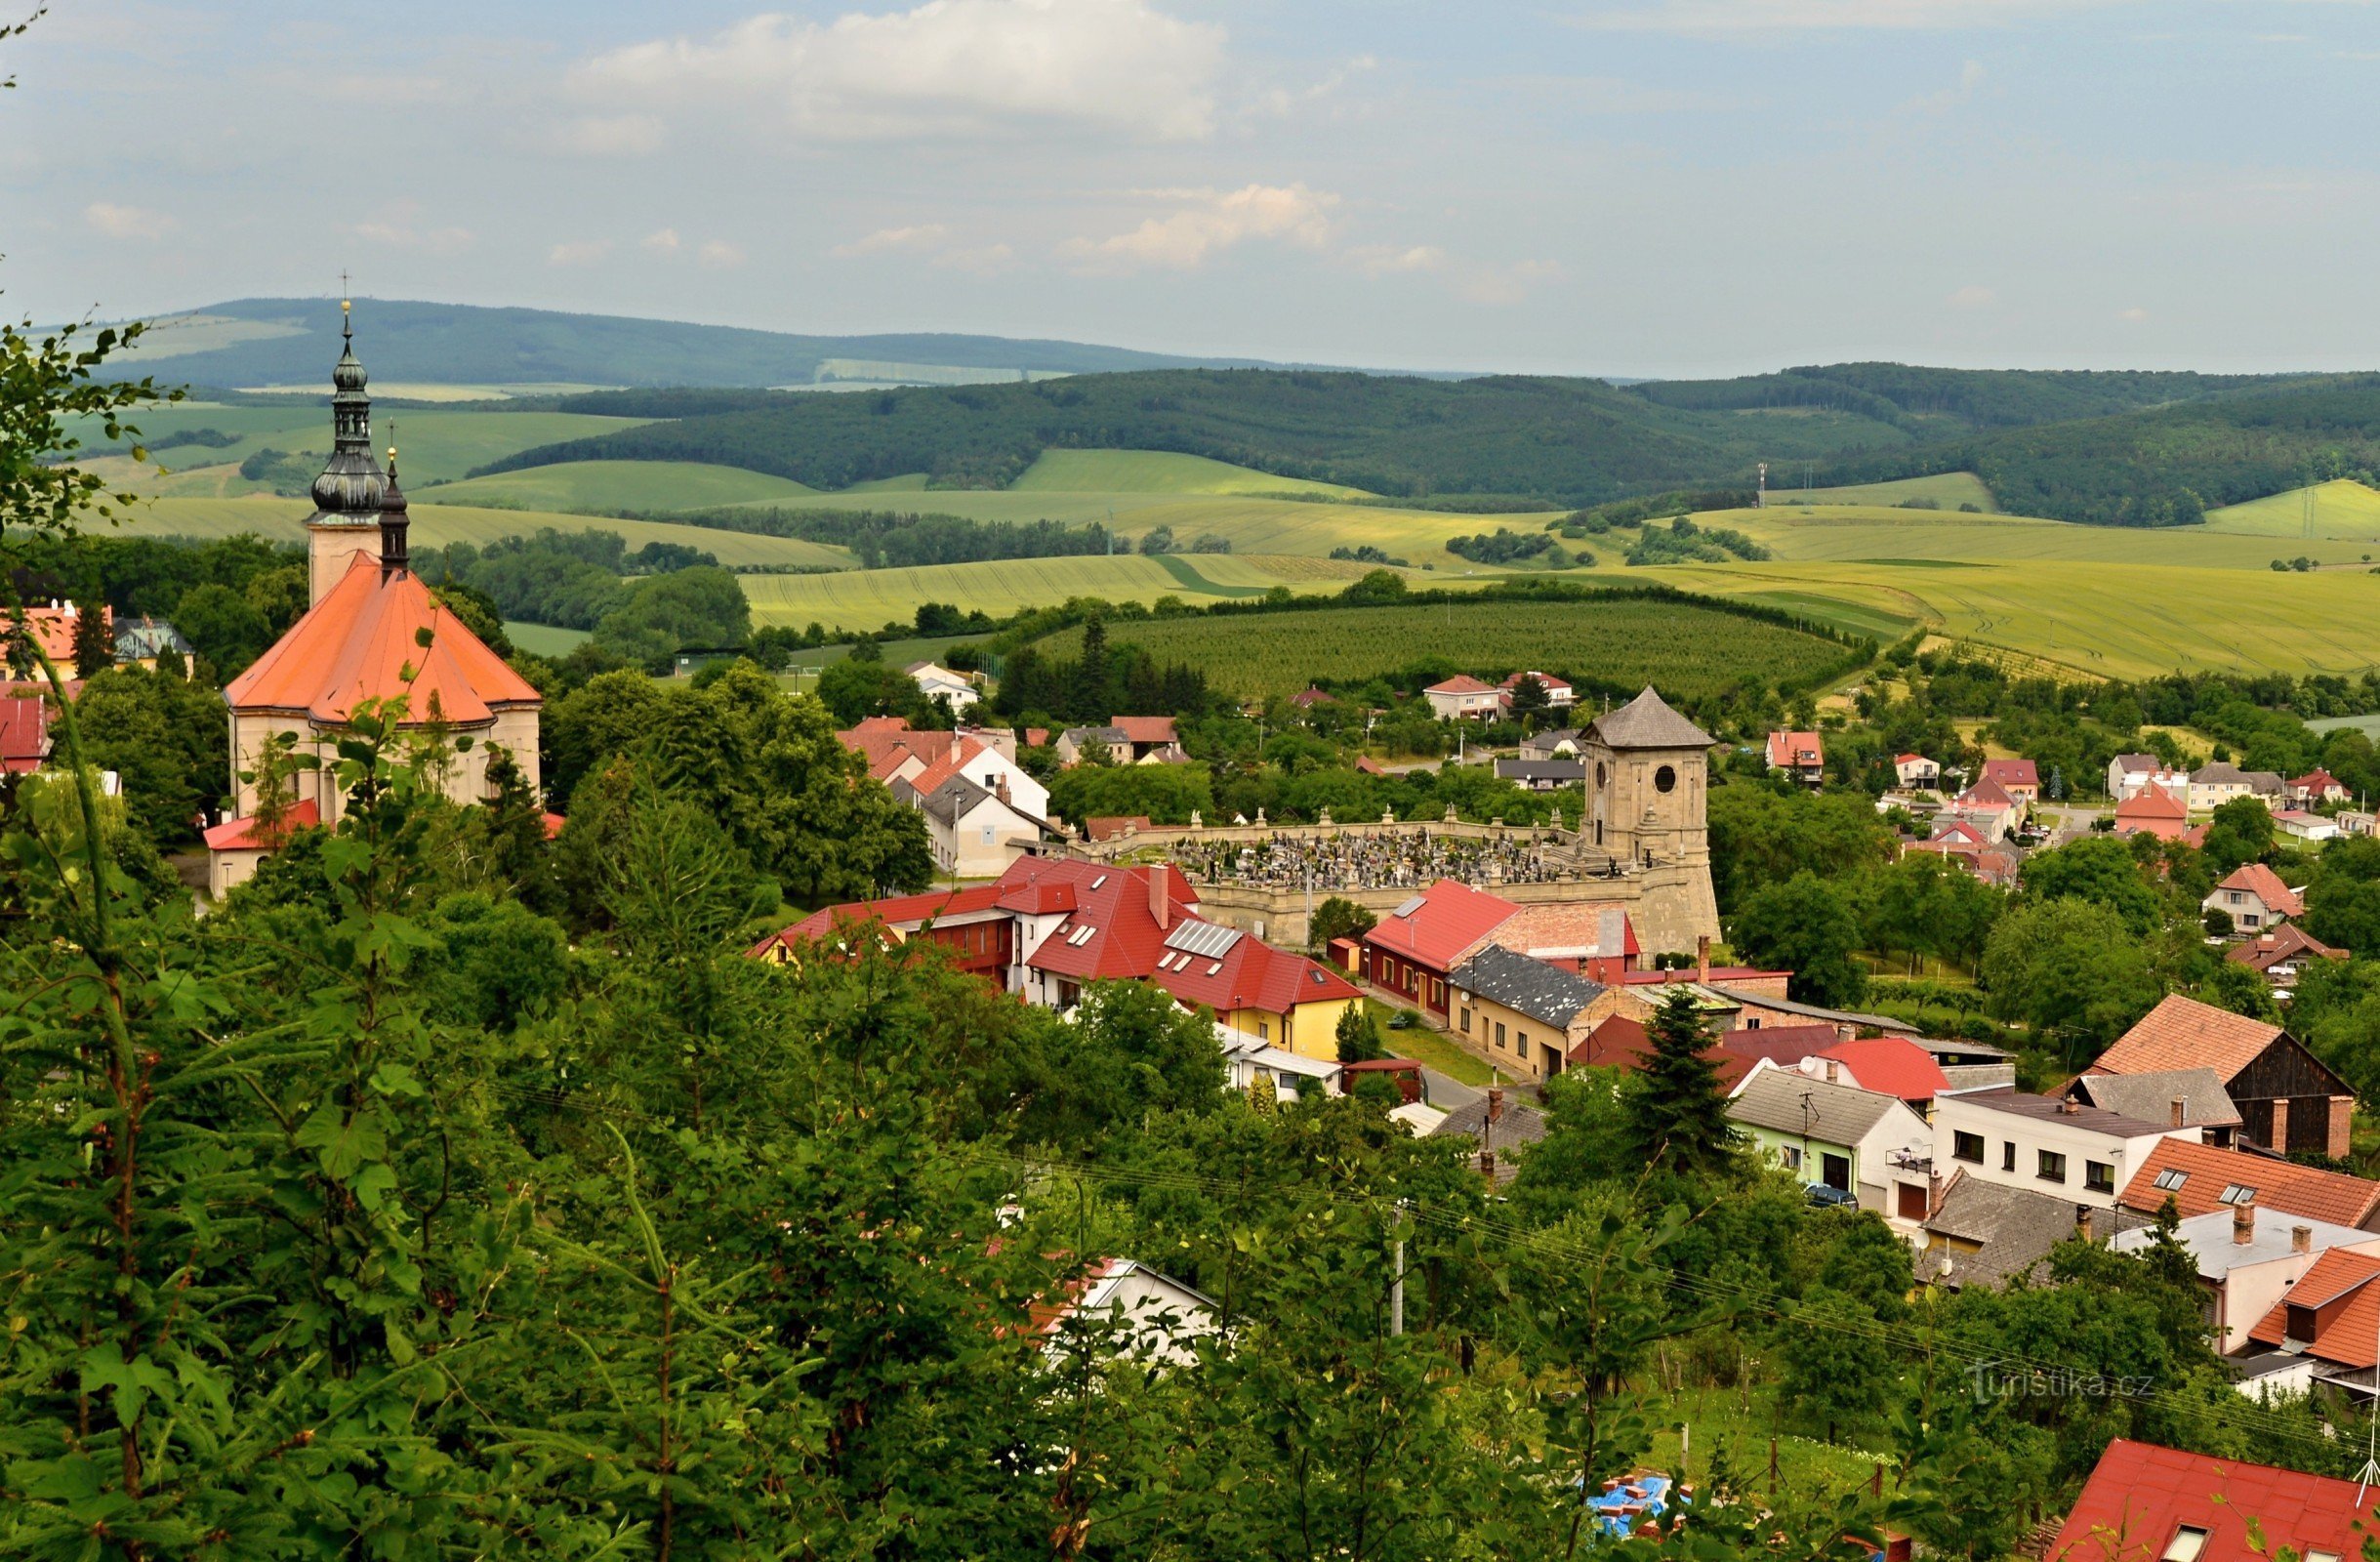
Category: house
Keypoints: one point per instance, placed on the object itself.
(2280, 955)
(894, 750)
(1799, 754)
(1251, 1064)
(1541, 775)
(2217, 783)
(1525, 1014)
(1916, 770)
(1558, 743)
(1125, 740)
(2127, 773)
(236, 848)
(371, 631)
(1963, 843)
(1987, 1234)
(2355, 822)
(2018, 778)
(1559, 695)
(1501, 1131)
(1135, 1311)
(1464, 698)
(2326, 1328)
(1307, 698)
(2300, 825)
(2316, 788)
(2200, 1179)
(938, 682)
(1414, 949)
(972, 832)
(1755, 1009)
(1112, 826)
(2179, 1097)
(1889, 1065)
(2083, 1154)
(24, 729)
(2248, 1261)
(1989, 808)
(2253, 896)
(139, 641)
(2146, 1503)
(2153, 810)
(2289, 1101)
(1855, 1141)
(54, 629)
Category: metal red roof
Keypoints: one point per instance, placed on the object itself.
(903, 912)
(1890, 1066)
(1252, 974)
(246, 835)
(1113, 929)
(1438, 927)
(2140, 1496)
(24, 731)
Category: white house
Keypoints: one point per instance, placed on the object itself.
(972, 832)
(1559, 695)
(1860, 1142)
(2248, 1260)
(2255, 898)
(938, 682)
(1916, 770)
(2128, 774)
(1143, 1314)
(2300, 825)
(2043, 1145)
(1464, 698)
(2213, 785)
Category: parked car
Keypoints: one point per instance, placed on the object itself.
(1827, 1198)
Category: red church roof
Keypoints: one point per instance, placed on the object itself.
(2139, 1498)
(248, 835)
(355, 646)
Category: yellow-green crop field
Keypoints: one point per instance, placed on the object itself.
(1154, 471)
(2339, 510)
(432, 447)
(868, 600)
(1948, 489)
(598, 486)
(436, 525)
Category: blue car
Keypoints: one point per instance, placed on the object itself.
(1827, 1198)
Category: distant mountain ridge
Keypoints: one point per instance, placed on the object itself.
(293, 342)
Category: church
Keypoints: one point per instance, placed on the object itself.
(360, 639)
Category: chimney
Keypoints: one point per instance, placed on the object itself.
(2082, 1222)
(1487, 1164)
(1160, 904)
(1702, 957)
(2243, 1223)
(2181, 1113)
(1496, 1104)
(2301, 1238)
(2069, 1107)
(999, 785)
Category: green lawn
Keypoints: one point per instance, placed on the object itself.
(2338, 510)
(1425, 1045)
(543, 640)
(1737, 1425)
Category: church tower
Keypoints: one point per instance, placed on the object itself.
(347, 493)
(1648, 771)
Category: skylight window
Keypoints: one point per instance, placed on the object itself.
(1214, 968)
(2239, 1193)
(2189, 1539)
(1096, 882)
(2171, 1177)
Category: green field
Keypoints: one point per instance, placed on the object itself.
(1687, 650)
(2338, 510)
(596, 486)
(432, 447)
(1949, 489)
(435, 525)
(545, 639)
(1154, 471)
(865, 600)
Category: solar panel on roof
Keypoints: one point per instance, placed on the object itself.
(1411, 906)
(1207, 939)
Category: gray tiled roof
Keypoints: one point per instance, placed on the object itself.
(1543, 992)
(1647, 722)
(1957, 1077)
(1519, 1127)
(1562, 770)
(2016, 1226)
(2151, 1096)
(2055, 1109)
(1840, 1016)
(1785, 1102)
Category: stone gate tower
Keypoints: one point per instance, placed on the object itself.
(1648, 771)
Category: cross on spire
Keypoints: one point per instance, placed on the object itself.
(346, 327)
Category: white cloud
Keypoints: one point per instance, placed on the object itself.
(1388, 260)
(2133, 316)
(608, 135)
(1972, 298)
(1507, 284)
(947, 68)
(987, 259)
(400, 233)
(1213, 222)
(578, 252)
(720, 254)
(886, 240)
(126, 221)
(660, 241)
(1286, 100)
(1970, 77)
(1729, 17)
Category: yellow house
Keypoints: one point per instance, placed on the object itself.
(1522, 1014)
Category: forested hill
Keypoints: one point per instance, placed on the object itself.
(1932, 402)
(293, 342)
(1573, 439)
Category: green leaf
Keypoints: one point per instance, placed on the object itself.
(345, 1143)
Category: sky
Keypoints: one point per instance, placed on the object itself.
(1641, 188)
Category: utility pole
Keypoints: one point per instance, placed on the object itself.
(1396, 1286)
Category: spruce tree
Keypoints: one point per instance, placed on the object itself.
(1677, 1116)
(95, 648)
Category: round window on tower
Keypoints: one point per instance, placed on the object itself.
(1664, 779)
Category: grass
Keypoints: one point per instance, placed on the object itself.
(543, 640)
(1739, 1423)
(2339, 510)
(1686, 650)
(1913, 540)
(601, 485)
(435, 525)
(864, 600)
(432, 447)
(1154, 471)
(1949, 489)
(2368, 725)
(1428, 1047)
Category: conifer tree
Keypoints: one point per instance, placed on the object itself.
(95, 648)
(1677, 1116)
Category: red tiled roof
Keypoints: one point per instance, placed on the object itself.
(2346, 1337)
(2140, 1495)
(1790, 749)
(2282, 1186)
(1366, 764)
(1107, 826)
(2265, 884)
(888, 742)
(1565, 930)
(554, 825)
(904, 912)
(1460, 684)
(1110, 932)
(1146, 728)
(1785, 1046)
(1890, 1066)
(1449, 918)
(53, 629)
(1621, 1043)
(355, 644)
(1254, 976)
(1908, 759)
(2316, 781)
(246, 835)
(1308, 697)
(2153, 802)
(2284, 943)
(1984, 793)
(24, 731)
(2012, 772)
(961, 753)
(2183, 1033)
(1545, 680)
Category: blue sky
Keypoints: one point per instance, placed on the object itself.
(1616, 187)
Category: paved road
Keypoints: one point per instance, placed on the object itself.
(1447, 1093)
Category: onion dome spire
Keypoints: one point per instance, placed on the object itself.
(396, 525)
(348, 488)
